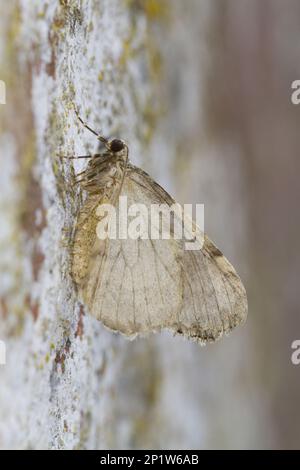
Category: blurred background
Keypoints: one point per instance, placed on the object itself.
(215, 125)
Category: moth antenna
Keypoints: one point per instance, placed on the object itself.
(99, 136)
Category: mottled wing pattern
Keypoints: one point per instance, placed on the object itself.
(141, 286)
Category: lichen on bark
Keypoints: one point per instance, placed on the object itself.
(87, 55)
(134, 71)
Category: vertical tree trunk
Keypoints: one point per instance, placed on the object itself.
(62, 366)
(135, 69)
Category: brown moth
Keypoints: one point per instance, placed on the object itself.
(139, 286)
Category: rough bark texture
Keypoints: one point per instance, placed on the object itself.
(136, 69)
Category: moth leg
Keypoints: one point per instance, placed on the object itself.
(78, 181)
(99, 136)
(71, 157)
(80, 173)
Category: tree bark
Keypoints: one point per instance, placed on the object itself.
(135, 70)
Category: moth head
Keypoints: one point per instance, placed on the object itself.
(117, 145)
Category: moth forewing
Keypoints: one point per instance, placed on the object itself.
(213, 297)
(137, 285)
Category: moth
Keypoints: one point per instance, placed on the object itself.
(140, 286)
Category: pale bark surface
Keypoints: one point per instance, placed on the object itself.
(137, 70)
